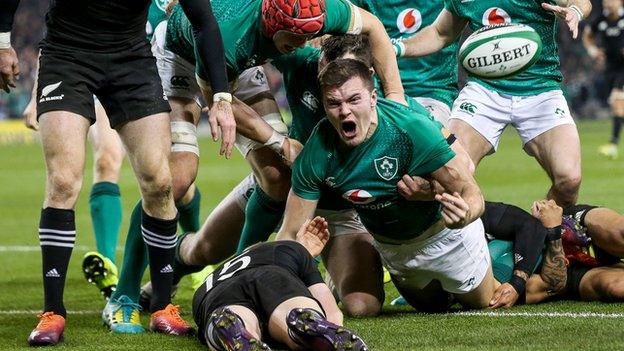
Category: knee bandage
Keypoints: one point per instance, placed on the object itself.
(184, 137)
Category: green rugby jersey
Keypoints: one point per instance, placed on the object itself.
(405, 142)
(155, 15)
(433, 76)
(241, 28)
(545, 74)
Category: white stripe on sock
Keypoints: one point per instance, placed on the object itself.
(53, 243)
(54, 231)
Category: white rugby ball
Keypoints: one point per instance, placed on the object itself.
(500, 51)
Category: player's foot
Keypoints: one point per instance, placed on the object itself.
(609, 150)
(49, 330)
(122, 316)
(314, 332)
(229, 330)
(147, 292)
(573, 234)
(100, 271)
(168, 321)
(399, 301)
(198, 278)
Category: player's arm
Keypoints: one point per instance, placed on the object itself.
(298, 211)
(444, 31)
(384, 58)
(9, 65)
(589, 42)
(30, 111)
(462, 201)
(209, 45)
(572, 12)
(327, 300)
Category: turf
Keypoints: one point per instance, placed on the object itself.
(510, 176)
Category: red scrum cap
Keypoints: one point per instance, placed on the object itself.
(296, 16)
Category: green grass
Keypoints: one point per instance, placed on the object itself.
(509, 176)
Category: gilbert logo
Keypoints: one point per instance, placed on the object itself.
(47, 90)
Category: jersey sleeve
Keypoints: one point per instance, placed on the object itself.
(308, 171)
(449, 5)
(295, 258)
(342, 17)
(430, 148)
(7, 13)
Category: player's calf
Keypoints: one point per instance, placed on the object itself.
(226, 332)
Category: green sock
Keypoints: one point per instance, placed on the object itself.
(105, 203)
(134, 260)
(262, 215)
(181, 269)
(189, 213)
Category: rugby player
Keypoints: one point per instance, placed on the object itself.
(359, 154)
(604, 40)
(103, 45)
(532, 101)
(273, 292)
(430, 80)
(592, 243)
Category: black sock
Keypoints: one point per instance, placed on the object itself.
(57, 235)
(617, 127)
(160, 238)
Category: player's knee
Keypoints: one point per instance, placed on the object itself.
(108, 164)
(567, 188)
(156, 186)
(180, 186)
(275, 182)
(361, 305)
(63, 187)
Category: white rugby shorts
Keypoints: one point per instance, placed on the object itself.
(439, 110)
(489, 112)
(457, 258)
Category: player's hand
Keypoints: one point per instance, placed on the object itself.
(415, 188)
(566, 14)
(455, 210)
(505, 296)
(223, 125)
(9, 69)
(313, 235)
(290, 150)
(30, 115)
(548, 212)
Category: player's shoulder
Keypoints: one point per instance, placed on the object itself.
(405, 117)
(297, 59)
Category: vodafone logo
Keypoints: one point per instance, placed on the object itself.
(409, 21)
(495, 15)
(358, 196)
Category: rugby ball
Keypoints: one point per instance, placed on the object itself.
(500, 51)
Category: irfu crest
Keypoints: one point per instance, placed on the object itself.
(386, 167)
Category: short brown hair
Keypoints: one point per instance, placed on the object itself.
(336, 46)
(337, 72)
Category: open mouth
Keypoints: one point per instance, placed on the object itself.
(349, 129)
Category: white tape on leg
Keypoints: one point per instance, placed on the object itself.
(184, 137)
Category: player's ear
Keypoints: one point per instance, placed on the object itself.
(373, 98)
(372, 71)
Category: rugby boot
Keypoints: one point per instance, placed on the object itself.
(49, 330)
(399, 301)
(609, 150)
(100, 271)
(314, 332)
(228, 330)
(168, 321)
(573, 233)
(122, 316)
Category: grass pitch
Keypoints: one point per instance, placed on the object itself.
(510, 176)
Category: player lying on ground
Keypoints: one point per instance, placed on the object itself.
(273, 293)
(532, 101)
(603, 40)
(364, 147)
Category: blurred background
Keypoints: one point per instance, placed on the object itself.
(584, 84)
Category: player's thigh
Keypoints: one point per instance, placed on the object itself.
(355, 268)
(603, 284)
(482, 295)
(63, 137)
(606, 228)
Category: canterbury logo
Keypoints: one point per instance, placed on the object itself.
(50, 88)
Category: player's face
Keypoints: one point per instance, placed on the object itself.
(287, 42)
(351, 110)
(612, 6)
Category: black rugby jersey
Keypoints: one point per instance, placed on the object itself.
(610, 36)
